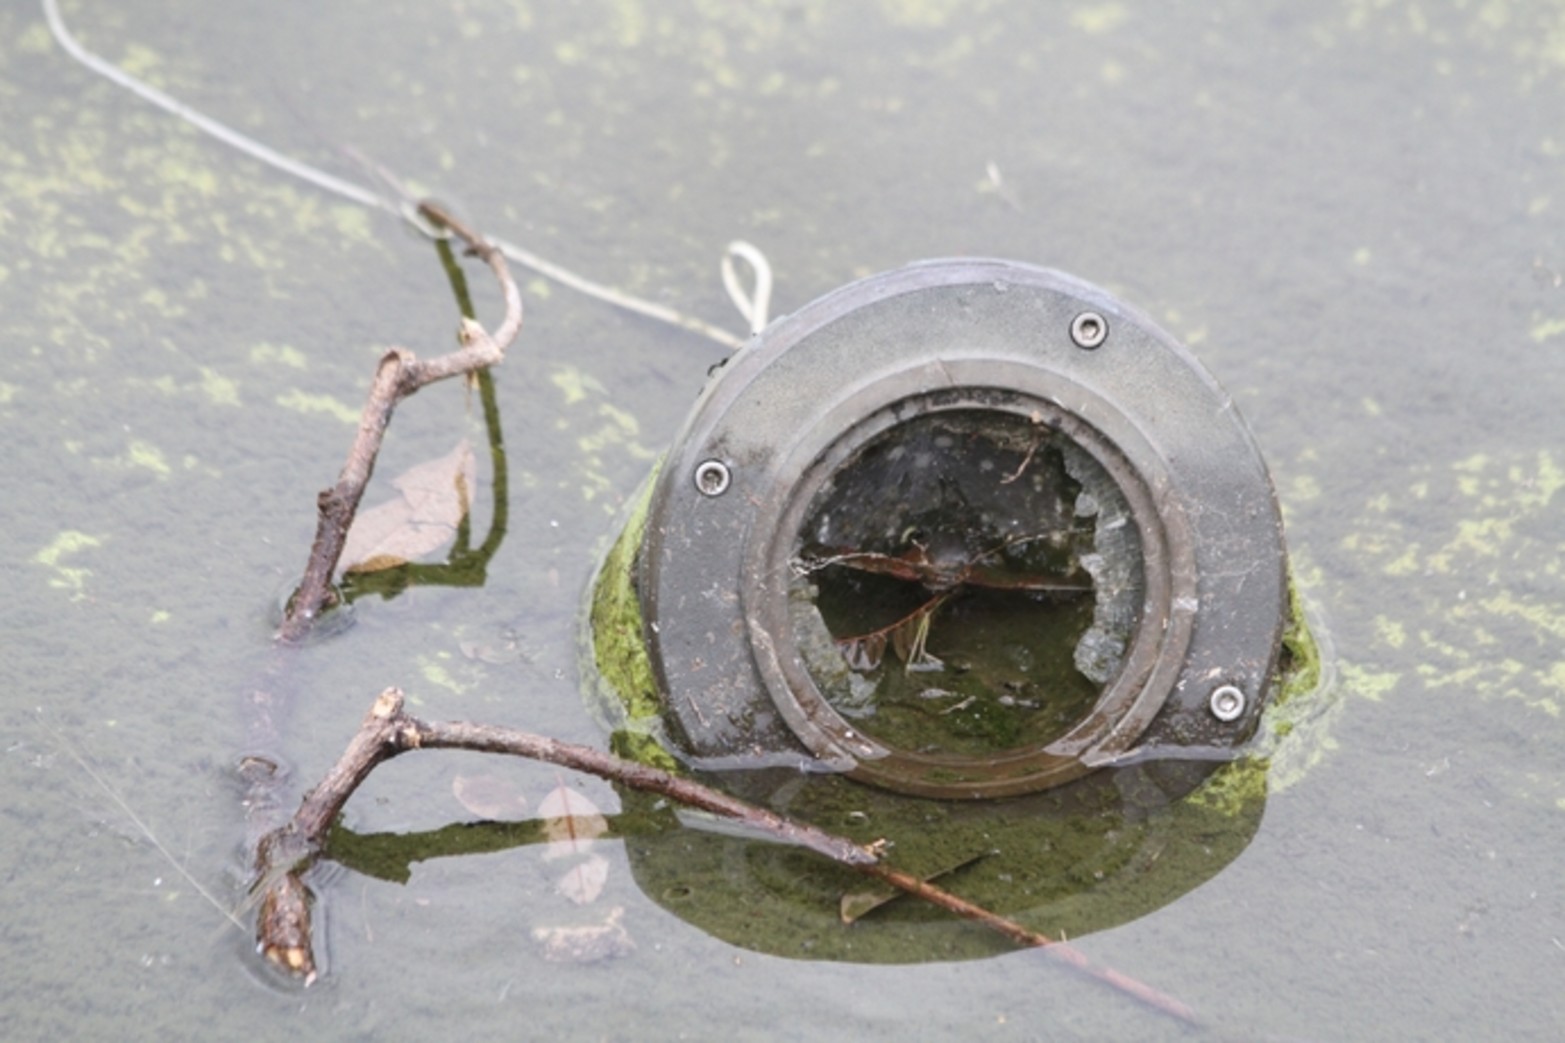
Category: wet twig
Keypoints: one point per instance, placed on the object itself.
(283, 930)
(399, 374)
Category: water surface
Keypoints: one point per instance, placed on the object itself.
(1351, 211)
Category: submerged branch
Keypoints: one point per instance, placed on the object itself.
(399, 374)
(283, 932)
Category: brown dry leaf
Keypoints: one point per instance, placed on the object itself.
(570, 821)
(855, 904)
(489, 796)
(435, 498)
(584, 882)
(908, 637)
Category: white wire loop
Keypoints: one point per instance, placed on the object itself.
(754, 307)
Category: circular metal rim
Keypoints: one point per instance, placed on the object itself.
(1127, 703)
(692, 571)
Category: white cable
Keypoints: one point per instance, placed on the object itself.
(753, 310)
(228, 136)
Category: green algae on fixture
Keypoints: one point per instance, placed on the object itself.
(626, 692)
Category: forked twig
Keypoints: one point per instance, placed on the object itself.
(399, 374)
(283, 931)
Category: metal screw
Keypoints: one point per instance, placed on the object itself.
(712, 478)
(1089, 329)
(1227, 703)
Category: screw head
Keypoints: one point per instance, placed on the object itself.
(1227, 703)
(712, 478)
(1089, 329)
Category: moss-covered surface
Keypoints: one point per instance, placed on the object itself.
(623, 691)
(1295, 728)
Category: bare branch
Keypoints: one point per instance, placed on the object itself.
(399, 374)
(283, 927)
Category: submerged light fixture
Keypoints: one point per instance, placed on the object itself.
(971, 528)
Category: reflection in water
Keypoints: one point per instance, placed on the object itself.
(1067, 862)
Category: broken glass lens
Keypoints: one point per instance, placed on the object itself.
(966, 583)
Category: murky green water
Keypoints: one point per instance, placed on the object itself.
(1352, 212)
